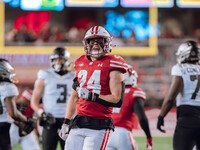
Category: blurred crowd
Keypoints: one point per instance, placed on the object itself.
(57, 34)
(48, 34)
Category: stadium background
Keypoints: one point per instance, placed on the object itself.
(146, 33)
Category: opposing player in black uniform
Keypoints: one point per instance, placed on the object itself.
(186, 81)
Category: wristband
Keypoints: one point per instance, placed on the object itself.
(39, 112)
(93, 97)
(66, 121)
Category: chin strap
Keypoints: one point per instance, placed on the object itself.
(62, 72)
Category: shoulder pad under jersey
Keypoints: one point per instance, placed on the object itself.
(176, 70)
(10, 90)
(139, 93)
(118, 63)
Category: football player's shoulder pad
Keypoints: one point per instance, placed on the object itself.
(10, 90)
(43, 73)
(80, 60)
(118, 63)
(138, 92)
(176, 70)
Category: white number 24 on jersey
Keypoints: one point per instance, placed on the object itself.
(93, 82)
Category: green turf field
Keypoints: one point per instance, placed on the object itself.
(160, 143)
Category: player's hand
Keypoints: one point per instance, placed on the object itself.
(64, 131)
(160, 123)
(47, 120)
(149, 143)
(26, 127)
(85, 94)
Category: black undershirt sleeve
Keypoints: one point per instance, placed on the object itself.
(139, 110)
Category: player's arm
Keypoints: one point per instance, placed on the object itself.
(169, 100)
(70, 112)
(71, 105)
(139, 110)
(37, 95)
(175, 88)
(115, 83)
(12, 109)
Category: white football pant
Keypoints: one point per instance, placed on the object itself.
(87, 139)
(28, 142)
(122, 139)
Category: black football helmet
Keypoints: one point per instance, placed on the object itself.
(60, 52)
(5, 71)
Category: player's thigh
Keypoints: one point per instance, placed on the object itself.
(113, 142)
(5, 136)
(28, 140)
(49, 139)
(183, 138)
(198, 139)
(96, 139)
(14, 135)
(121, 139)
(75, 140)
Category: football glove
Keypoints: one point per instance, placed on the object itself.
(160, 123)
(64, 131)
(86, 94)
(26, 127)
(47, 120)
(149, 143)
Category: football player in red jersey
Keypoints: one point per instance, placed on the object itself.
(98, 87)
(134, 97)
(23, 104)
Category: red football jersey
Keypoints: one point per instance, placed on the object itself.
(26, 95)
(94, 76)
(123, 117)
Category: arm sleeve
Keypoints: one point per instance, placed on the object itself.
(139, 110)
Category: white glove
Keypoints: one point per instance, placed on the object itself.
(64, 131)
(83, 93)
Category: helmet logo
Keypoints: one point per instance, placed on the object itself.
(94, 30)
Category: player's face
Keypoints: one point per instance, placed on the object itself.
(58, 63)
(59, 60)
(96, 46)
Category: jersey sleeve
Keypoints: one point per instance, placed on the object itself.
(27, 95)
(41, 74)
(176, 70)
(139, 93)
(11, 90)
(78, 63)
(118, 63)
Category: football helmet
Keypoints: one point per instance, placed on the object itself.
(188, 52)
(131, 77)
(60, 52)
(97, 32)
(5, 71)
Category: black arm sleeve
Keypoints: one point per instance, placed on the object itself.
(108, 104)
(139, 110)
